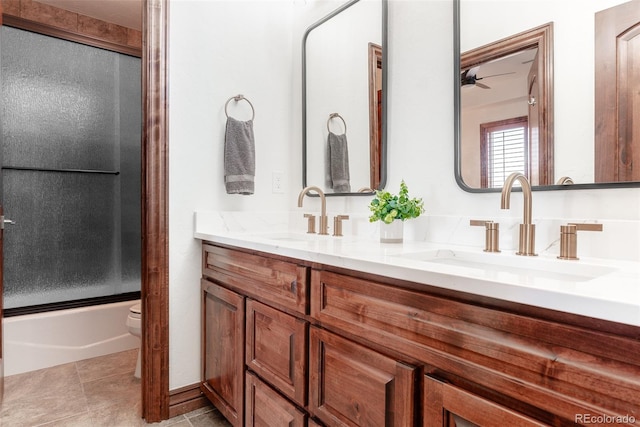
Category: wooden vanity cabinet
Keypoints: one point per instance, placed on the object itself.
(289, 342)
(547, 366)
(255, 337)
(351, 385)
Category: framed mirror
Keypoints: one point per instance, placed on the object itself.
(565, 149)
(344, 63)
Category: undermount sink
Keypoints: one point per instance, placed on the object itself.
(286, 236)
(524, 267)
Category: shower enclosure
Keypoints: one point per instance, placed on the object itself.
(70, 128)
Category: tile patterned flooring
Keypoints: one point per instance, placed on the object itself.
(89, 393)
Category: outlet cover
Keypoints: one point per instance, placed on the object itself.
(277, 184)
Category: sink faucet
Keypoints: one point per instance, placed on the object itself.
(324, 223)
(527, 243)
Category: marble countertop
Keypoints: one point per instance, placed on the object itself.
(599, 288)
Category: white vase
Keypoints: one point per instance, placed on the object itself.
(391, 233)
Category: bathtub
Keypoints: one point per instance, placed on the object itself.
(37, 341)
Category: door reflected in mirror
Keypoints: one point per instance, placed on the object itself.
(589, 125)
(506, 104)
(617, 127)
(375, 114)
(344, 74)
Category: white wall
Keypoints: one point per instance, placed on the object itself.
(221, 48)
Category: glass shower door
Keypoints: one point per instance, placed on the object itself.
(71, 131)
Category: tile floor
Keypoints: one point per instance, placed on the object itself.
(89, 393)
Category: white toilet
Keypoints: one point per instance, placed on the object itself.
(134, 323)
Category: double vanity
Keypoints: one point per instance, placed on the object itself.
(312, 329)
(306, 329)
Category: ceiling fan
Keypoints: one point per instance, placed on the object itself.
(470, 78)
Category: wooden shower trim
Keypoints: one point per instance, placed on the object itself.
(49, 30)
(56, 22)
(155, 202)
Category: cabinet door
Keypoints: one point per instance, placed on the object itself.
(446, 405)
(351, 385)
(277, 349)
(266, 408)
(223, 350)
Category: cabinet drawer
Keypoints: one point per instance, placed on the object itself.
(276, 349)
(279, 282)
(351, 385)
(266, 408)
(446, 405)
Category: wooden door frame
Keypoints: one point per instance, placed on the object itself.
(155, 203)
(1, 288)
(613, 140)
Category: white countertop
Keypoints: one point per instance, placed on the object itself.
(598, 288)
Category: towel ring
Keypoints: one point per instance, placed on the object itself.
(333, 116)
(239, 98)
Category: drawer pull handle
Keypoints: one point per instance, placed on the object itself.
(294, 286)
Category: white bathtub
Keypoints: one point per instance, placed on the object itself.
(37, 341)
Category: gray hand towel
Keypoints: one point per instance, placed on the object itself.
(339, 162)
(239, 157)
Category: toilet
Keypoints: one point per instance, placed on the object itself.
(134, 323)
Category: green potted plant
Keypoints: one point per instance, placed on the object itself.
(392, 210)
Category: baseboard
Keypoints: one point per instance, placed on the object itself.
(186, 399)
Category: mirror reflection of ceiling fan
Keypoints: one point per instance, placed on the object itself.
(470, 77)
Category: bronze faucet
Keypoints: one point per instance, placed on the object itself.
(527, 243)
(569, 238)
(491, 234)
(565, 180)
(324, 224)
